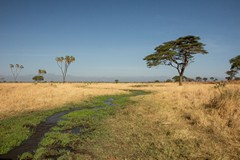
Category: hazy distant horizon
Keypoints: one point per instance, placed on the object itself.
(71, 78)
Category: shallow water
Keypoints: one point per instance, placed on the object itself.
(31, 144)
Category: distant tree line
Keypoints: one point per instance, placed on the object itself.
(62, 62)
(197, 79)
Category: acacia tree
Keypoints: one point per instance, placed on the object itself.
(15, 69)
(41, 72)
(198, 79)
(39, 77)
(176, 78)
(235, 63)
(212, 78)
(235, 66)
(63, 64)
(231, 74)
(177, 54)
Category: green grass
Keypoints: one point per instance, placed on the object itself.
(61, 142)
(14, 130)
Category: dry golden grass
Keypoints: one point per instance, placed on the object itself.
(175, 123)
(18, 98)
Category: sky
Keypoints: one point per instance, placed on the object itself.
(110, 38)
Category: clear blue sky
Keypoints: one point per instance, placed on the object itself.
(111, 37)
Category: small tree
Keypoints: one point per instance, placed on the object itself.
(42, 72)
(15, 69)
(205, 79)
(116, 81)
(64, 63)
(235, 63)
(177, 54)
(38, 78)
(176, 78)
(231, 74)
(198, 79)
(190, 80)
(212, 78)
(235, 67)
(168, 80)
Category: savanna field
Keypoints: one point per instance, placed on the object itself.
(165, 121)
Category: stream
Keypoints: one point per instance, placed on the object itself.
(31, 144)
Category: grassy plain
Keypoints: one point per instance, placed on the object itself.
(18, 98)
(194, 121)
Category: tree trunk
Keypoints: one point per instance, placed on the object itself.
(180, 80)
(181, 72)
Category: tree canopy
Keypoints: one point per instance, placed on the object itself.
(16, 69)
(231, 74)
(205, 79)
(235, 66)
(198, 79)
(42, 72)
(38, 78)
(235, 63)
(177, 54)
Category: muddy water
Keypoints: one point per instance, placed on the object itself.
(31, 144)
(109, 102)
